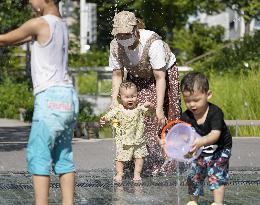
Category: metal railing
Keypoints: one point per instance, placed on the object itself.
(237, 123)
(105, 73)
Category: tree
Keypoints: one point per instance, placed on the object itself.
(248, 9)
(240, 55)
(12, 14)
(164, 15)
(105, 14)
(160, 16)
(196, 40)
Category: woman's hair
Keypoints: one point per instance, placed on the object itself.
(140, 23)
(194, 81)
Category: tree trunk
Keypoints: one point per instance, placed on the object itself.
(169, 35)
(247, 27)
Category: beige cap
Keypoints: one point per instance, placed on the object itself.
(124, 22)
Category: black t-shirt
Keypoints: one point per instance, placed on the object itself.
(213, 121)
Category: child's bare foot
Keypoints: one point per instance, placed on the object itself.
(118, 178)
(137, 179)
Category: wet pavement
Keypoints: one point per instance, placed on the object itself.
(96, 188)
(94, 185)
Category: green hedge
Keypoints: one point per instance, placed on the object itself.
(92, 58)
(14, 96)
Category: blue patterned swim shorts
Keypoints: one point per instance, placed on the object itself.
(214, 167)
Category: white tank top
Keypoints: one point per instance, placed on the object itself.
(49, 61)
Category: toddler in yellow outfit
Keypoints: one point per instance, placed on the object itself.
(128, 121)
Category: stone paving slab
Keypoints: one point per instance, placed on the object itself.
(12, 123)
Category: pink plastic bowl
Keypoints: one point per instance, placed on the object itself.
(179, 140)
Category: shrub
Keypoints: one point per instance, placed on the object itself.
(86, 112)
(233, 58)
(91, 58)
(14, 96)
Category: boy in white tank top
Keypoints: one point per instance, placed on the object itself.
(56, 102)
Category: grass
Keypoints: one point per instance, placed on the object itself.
(239, 97)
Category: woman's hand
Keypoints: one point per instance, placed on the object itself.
(161, 119)
(160, 93)
(117, 78)
(114, 104)
(162, 145)
(148, 104)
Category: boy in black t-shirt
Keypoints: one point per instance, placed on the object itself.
(208, 121)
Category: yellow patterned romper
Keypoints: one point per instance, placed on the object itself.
(129, 132)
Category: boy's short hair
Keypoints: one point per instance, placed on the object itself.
(126, 85)
(194, 80)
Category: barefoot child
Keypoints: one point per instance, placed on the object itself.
(56, 103)
(208, 121)
(128, 119)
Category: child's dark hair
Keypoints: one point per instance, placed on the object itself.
(194, 80)
(127, 84)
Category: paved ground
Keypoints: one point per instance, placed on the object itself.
(94, 185)
(98, 154)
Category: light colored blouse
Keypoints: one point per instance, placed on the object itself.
(158, 53)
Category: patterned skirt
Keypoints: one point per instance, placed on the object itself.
(147, 92)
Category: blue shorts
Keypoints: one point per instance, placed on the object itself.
(214, 167)
(54, 117)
